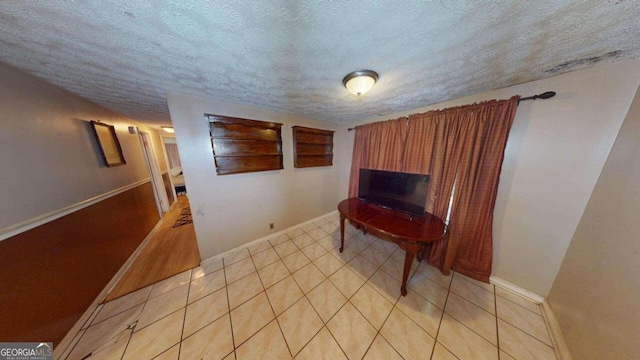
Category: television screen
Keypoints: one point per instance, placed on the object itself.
(396, 190)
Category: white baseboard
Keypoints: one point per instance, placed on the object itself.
(559, 343)
(15, 229)
(533, 297)
(60, 348)
(270, 236)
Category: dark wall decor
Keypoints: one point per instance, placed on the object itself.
(108, 142)
(312, 147)
(243, 145)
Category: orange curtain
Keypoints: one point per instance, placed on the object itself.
(434, 149)
(461, 149)
(377, 146)
(480, 147)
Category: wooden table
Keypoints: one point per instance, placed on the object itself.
(410, 233)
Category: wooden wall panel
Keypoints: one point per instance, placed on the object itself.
(312, 147)
(243, 145)
(51, 274)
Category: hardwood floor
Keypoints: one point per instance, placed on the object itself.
(169, 252)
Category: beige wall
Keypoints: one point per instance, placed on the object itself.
(49, 158)
(554, 155)
(596, 295)
(231, 210)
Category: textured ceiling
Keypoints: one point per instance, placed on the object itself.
(291, 55)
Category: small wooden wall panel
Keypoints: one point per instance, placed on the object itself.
(243, 145)
(237, 164)
(314, 160)
(312, 147)
(305, 136)
(231, 147)
(245, 131)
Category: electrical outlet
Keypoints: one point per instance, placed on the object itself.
(271, 226)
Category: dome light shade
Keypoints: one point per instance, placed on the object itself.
(359, 82)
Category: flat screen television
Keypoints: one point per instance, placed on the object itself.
(395, 190)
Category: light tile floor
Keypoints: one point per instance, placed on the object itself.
(297, 296)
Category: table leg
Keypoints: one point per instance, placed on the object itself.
(341, 232)
(409, 254)
(422, 253)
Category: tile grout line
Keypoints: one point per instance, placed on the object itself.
(479, 307)
(381, 326)
(226, 287)
(363, 284)
(394, 304)
(340, 308)
(334, 339)
(275, 317)
(271, 305)
(162, 318)
(493, 315)
(530, 335)
(133, 330)
(524, 331)
(92, 318)
(332, 316)
(83, 331)
(324, 324)
(303, 296)
(73, 344)
(495, 300)
(435, 342)
(184, 319)
(130, 337)
(515, 303)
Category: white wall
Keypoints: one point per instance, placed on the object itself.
(596, 294)
(231, 210)
(555, 153)
(49, 158)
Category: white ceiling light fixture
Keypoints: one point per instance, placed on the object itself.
(360, 81)
(168, 129)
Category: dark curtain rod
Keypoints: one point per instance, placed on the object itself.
(544, 95)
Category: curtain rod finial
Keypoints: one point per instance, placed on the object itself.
(544, 95)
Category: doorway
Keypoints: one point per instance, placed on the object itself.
(175, 166)
(172, 248)
(162, 201)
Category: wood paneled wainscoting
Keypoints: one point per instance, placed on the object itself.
(52, 273)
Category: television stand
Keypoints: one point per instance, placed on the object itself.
(409, 233)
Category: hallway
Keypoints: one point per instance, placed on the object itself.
(170, 251)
